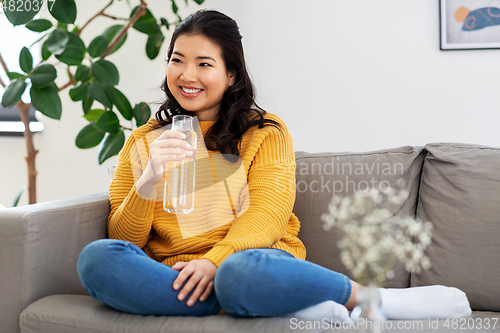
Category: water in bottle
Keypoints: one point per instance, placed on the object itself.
(180, 175)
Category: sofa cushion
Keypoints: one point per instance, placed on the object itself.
(83, 314)
(320, 176)
(460, 194)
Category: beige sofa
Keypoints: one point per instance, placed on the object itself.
(456, 186)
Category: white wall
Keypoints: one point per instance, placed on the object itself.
(344, 75)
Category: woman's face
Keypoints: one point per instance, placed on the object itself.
(197, 76)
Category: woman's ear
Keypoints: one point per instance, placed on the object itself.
(232, 78)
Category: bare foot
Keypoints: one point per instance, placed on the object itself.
(223, 312)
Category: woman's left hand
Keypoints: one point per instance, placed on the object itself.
(201, 274)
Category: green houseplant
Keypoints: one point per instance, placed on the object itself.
(92, 79)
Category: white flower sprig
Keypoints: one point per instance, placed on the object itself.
(374, 237)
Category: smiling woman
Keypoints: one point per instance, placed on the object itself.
(197, 76)
(252, 264)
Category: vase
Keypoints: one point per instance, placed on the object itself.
(368, 314)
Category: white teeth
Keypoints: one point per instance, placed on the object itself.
(190, 91)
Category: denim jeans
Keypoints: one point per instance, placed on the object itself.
(249, 283)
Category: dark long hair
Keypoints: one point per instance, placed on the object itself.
(238, 111)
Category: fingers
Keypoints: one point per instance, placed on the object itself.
(179, 265)
(173, 134)
(172, 138)
(199, 274)
(171, 146)
(207, 292)
(201, 289)
(179, 281)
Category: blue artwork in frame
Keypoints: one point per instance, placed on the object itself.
(469, 24)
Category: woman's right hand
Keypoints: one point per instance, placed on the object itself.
(168, 147)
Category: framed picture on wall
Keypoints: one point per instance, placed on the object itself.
(469, 24)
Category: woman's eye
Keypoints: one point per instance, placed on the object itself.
(175, 60)
(204, 64)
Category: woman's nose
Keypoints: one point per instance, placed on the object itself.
(189, 74)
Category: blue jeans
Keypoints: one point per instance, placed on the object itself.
(250, 283)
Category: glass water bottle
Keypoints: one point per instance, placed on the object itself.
(180, 175)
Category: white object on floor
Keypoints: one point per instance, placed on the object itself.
(425, 302)
(328, 309)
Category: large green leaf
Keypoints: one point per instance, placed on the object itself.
(63, 10)
(82, 73)
(20, 12)
(112, 146)
(45, 51)
(142, 113)
(79, 93)
(15, 75)
(74, 52)
(98, 46)
(146, 24)
(89, 137)
(56, 43)
(94, 114)
(39, 25)
(87, 104)
(153, 45)
(47, 100)
(106, 72)
(99, 93)
(26, 60)
(43, 75)
(122, 104)
(110, 33)
(13, 93)
(108, 122)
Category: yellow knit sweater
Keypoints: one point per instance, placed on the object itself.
(230, 214)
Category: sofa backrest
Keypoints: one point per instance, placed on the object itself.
(320, 176)
(460, 194)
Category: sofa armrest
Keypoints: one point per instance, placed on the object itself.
(39, 247)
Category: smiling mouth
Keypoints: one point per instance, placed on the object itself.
(190, 91)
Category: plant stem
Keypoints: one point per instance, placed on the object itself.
(4, 65)
(114, 17)
(5, 69)
(93, 17)
(28, 138)
(69, 83)
(30, 149)
(140, 12)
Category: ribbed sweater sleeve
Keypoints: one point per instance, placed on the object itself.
(131, 214)
(271, 195)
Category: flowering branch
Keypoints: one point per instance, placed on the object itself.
(374, 238)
